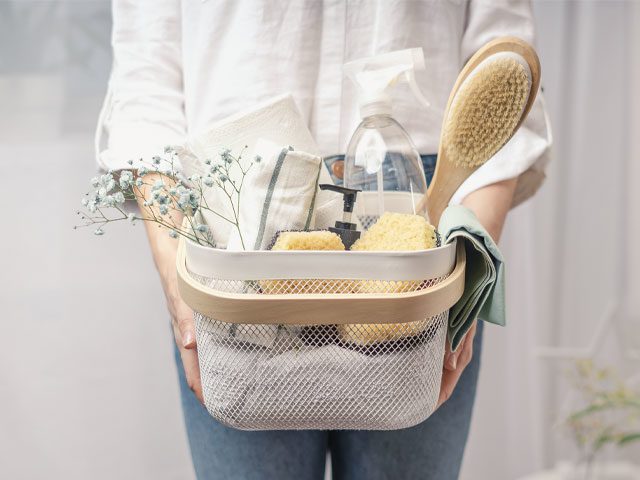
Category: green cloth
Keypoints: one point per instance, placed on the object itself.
(483, 295)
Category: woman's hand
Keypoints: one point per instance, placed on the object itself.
(490, 204)
(164, 250)
(181, 314)
(455, 363)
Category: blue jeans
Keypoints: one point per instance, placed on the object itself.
(428, 162)
(430, 450)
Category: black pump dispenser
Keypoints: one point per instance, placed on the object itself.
(345, 229)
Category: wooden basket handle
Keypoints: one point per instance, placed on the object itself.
(317, 309)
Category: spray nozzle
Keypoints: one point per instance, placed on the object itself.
(375, 76)
(345, 229)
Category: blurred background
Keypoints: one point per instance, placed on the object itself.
(87, 385)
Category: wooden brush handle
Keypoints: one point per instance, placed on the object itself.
(436, 206)
(444, 186)
(447, 178)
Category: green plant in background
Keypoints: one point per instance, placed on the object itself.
(609, 413)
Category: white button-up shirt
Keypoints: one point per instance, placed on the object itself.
(180, 65)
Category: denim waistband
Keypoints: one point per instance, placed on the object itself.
(428, 163)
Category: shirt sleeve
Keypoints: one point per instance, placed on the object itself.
(527, 154)
(144, 107)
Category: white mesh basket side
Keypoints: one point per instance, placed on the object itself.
(258, 377)
(374, 377)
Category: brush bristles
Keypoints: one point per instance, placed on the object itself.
(485, 112)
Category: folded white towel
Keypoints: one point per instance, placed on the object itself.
(278, 193)
(277, 120)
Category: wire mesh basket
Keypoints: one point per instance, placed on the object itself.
(320, 339)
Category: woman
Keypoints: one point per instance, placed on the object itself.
(180, 65)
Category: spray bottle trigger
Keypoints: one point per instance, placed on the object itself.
(410, 76)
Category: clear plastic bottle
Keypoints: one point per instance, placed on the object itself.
(381, 160)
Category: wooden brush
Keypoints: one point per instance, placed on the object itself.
(489, 101)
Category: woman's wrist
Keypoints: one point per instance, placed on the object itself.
(491, 205)
(163, 247)
(164, 251)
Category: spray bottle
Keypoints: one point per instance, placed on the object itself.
(381, 160)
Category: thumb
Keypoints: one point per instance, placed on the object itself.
(451, 358)
(186, 326)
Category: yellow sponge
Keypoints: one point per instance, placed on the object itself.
(395, 232)
(314, 240)
(366, 334)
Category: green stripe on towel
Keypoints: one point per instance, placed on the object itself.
(267, 200)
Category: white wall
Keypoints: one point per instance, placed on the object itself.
(87, 386)
(569, 252)
(87, 380)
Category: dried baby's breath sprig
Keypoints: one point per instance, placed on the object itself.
(171, 194)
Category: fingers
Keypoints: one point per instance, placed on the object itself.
(186, 328)
(451, 358)
(451, 376)
(181, 314)
(191, 367)
(454, 365)
(192, 372)
(466, 352)
(448, 384)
